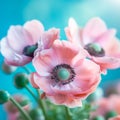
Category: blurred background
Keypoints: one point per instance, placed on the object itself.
(55, 13)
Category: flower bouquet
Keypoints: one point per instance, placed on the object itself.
(67, 72)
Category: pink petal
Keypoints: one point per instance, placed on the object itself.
(62, 52)
(19, 38)
(107, 62)
(62, 99)
(87, 76)
(11, 57)
(44, 62)
(74, 33)
(49, 37)
(35, 29)
(85, 81)
(31, 78)
(13, 116)
(94, 28)
(105, 38)
(112, 48)
(65, 51)
(42, 82)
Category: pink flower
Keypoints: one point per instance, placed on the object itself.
(12, 116)
(64, 74)
(115, 118)
(22, 100)
(105, 105)
(100, 42)
(19, 45)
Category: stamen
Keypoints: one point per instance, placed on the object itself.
(95, 49)
(29, 50)
(63, 74)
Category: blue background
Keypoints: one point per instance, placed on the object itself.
(55, 13)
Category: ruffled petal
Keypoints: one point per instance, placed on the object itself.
(41, 82)
(31, 79)
(19, 38)
(49, 37)
(62, 99)
(45, 61)
(107, 62)
(112, 48)
(94, 28)
(87, 76)
(35, 29)
(105, 38)
(65, 51)
(74, 33)
(11, 57)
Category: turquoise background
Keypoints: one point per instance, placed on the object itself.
(55, 13)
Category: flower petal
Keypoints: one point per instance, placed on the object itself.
(87, 76)
(65, 51)
(11, 57)
(49, 37)
(68, 100)
(107, 62)
(42, 82)
(19, 38)
(105, 38)
(112, 48)
(94, 28)
(35, 29)
(31, 78)
(74, 33)
(43, 62)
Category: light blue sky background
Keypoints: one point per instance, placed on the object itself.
(55, 13)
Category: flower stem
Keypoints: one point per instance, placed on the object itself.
(68, 114)
(43, 109)
(31, 92)
(39, 101)
(26, 69)
(23, 112)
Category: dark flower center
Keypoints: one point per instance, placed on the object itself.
(95, 49)
(63, 74)
(29, 50)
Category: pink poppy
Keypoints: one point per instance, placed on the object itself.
(100, 42)
(64, 74)
(21, 41)
(105, 105)
(12, 116)
(22, 100)
(115, 118)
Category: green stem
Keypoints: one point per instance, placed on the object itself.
(31, 92)
(39, 101)
(43, 109)
(26, 69)
(68, 114)
(23, 112)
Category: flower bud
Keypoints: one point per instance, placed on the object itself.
(110, 114)
(36, 114)
(4, 96)
(21, 80)
(96, 95)
(8, 69)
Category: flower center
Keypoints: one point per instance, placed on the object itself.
(95, 49)
(62, 74)
(29, 50)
